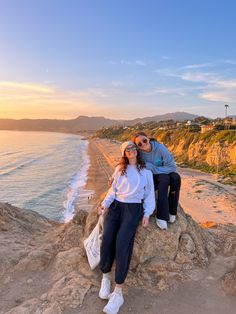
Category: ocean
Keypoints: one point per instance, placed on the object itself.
(44, 172)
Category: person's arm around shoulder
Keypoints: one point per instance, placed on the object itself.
(168, 162)
(149, 198)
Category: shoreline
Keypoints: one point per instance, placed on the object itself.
(202, 196)
(98, 174)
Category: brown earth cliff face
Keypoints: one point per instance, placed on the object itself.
(206, 152)
(44, 268)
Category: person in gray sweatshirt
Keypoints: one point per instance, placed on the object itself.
(167, 181)
(129, 200)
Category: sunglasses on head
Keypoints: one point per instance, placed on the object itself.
(144, 141)
(131, 149)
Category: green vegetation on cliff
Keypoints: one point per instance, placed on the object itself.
(213, 151)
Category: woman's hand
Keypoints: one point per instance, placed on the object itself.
(101, 210)
(145, 222)
(110, 180)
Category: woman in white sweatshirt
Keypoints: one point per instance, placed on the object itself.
(129, 200)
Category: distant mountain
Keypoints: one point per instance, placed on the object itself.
(176, 116)
(83, 123)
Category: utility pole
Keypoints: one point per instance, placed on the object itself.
(226, 108)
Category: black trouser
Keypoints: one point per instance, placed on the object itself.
(167, 198)
(174, 191)
(118, 237)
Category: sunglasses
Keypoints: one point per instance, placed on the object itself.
(131, 149)
(144, 141)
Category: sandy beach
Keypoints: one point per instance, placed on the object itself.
(206, 200)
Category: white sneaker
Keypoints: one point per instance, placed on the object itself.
(172, 218)
(114, 303)
(162, 224)
(105, 289)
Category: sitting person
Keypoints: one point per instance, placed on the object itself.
(130, 199)
(167, 181)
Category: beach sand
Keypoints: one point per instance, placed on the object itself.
(202, 197)
(98, 174)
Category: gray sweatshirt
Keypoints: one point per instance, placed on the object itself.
(159, 160)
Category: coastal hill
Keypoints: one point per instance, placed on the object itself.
(213, 151)
(44, 268)
(83, 123)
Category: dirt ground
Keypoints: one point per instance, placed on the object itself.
(201, 296)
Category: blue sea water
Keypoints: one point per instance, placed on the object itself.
(42, 171)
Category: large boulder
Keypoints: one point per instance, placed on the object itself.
(160, 257)
(229, 282)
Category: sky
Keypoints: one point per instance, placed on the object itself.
(119, 59)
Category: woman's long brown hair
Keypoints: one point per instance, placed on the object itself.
(124, 161)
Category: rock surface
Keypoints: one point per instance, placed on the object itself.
(44, 270)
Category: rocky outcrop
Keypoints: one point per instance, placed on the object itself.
(229, 282)
(44, 269)
(162, 257)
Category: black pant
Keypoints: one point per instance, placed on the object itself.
(118, 237)
(168, 187)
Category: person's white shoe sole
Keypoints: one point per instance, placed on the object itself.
(162, 224)
(103, 294)
(172, 219)
(113, 311)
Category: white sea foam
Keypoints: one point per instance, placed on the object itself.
(76, 185)
(44, 172)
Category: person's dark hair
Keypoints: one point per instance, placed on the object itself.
(141, 133)
(124, 161)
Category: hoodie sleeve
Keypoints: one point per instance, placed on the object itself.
(149, 202)
(168, 163)
(111, 194)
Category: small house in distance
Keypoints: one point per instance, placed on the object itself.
(206, 128)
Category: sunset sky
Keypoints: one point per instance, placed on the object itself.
(116, 58)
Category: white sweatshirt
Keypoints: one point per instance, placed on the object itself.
(132, 187)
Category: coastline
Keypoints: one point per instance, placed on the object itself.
(98, 173)
(202, 196)
(44, 266)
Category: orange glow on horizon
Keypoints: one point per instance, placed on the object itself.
(37, 101)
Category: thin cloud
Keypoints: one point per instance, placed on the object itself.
(166, 57)
(216, 63)
(218, 96)
(164, 91)
(117, 83)
(26, 87)
(197, 66)
(127, 62)
(212, 85)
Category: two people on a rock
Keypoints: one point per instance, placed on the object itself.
(145, 166)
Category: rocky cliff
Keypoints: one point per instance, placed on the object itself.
(213, 151)
(44, 269)
(216, 149)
